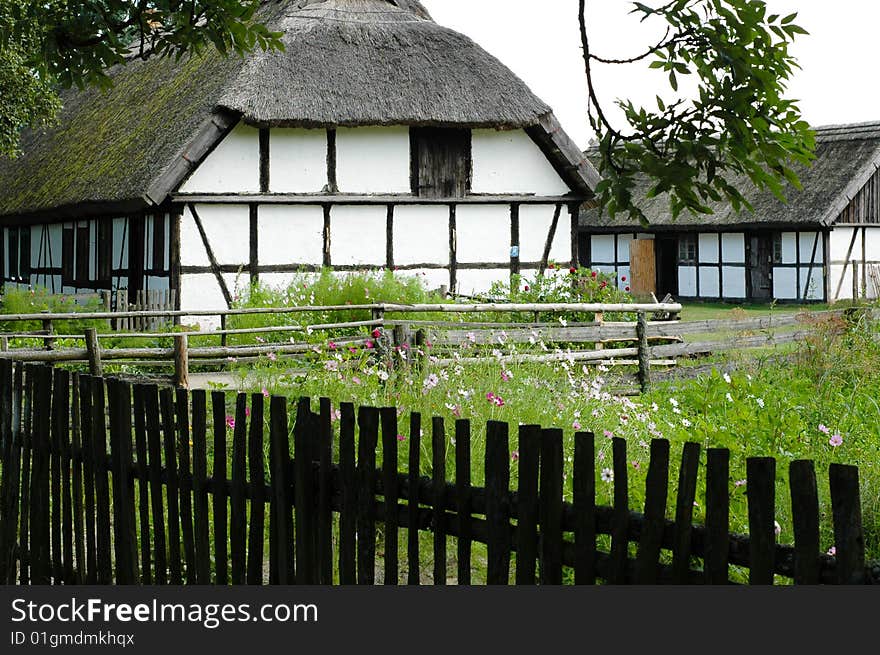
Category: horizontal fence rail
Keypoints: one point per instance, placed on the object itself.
(107, 482)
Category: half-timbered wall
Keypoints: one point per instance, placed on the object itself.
(88, 255)
(713, 265)
(358, 198)
(854, 262)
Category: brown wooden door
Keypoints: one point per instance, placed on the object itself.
(760, 262)
(643, 267)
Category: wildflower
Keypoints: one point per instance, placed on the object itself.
(265, 392)
(760, 402)
(526, 288)
(272, 357)
(729, 398)
(573, 270)
(507, 376)
(608, 435)
(576, 425)
(686, 423)
(824, 429)
(624, 419)
(335, 415)
(382, 375)
(514, 456)
(400, 437)
(230, 422)
(726, 378)
(472, 337)
(636, 466)
(777, 528)
(626, 289)
(356, 380)
(623, 278)
(593, 274)
(739, 483)
(376, 333)
(331, 365)
(673, 402)
(836, 440)
(370, 345)
(595, 413)
(431, 381)
(832, 551)
(551, 266)
(563, 322)
(247, 412)
(603, 284)
(331, 346)
(607, 475)
(260, 339)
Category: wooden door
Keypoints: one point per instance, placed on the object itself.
(643, 267)
(760, 261)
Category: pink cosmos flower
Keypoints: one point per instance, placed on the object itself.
(832, 551)
(377, 333)
(836, 440)
(400, 437)
(369, 345)
(265, 392)
(272, 357)
(824, 429)
(739, 483)
(331, 346)
(636, 466)
(506, 376)
(576, 425)
(514, 455)
(608, 434)
(230, 422)
(247, 412)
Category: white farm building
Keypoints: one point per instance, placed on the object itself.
(376, 139)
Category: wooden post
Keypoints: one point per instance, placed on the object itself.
(644, 352)
(223, 337)
(599, 318)
(106, 298)
(4, 344)
(48, 329)
(94, 350)
(181, 361)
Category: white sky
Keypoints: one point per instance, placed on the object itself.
(540, 42)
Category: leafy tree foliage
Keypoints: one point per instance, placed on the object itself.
(51, 44)
(738, 124)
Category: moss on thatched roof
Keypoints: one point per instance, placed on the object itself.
(346, 63)
(846, 157)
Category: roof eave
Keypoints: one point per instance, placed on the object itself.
(564, 155)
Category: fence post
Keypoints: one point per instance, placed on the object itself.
(106, 298)
(48, 329)
(644, 352)
(224, 338)
(4, 344)
(181, 361)
(94, 351)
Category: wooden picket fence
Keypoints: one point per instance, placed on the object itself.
(107, 482)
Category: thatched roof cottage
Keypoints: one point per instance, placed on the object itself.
(378, 138)
(823, 244)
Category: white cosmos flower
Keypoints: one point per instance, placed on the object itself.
(607, 475)
(726, 378)
(760, 402)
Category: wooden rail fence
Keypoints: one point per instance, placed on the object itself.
(106, 482)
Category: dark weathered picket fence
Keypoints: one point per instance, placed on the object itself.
(107, 482)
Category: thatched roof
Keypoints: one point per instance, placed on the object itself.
(846, 158)
(346, 63)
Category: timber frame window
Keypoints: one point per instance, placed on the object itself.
(441, 164)
(777, 247)
(18, 255)
(687, 249)
(87, 253)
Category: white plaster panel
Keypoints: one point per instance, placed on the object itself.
(54, 254)
(785, 283)
(120, 243)
(534, 227)
(839, 242)
(482, 233)
(789, 248)
(734, 282)
(812, 282)
(710, 284)
(233, 167)
(687, 281)
(872, 244)
(430, 278)
(836, 272)
(510, 162)
(733, 249)
(192, 249)
(623, 277)
(602, 248)
(421, 234)
(290, 234)
(708, 244)
(202, 292)
(358, 235)
(473, 282)
(228, 229)
(807, 241)
(623, 241)
(297, 160)
(373, 160)
(277, 281)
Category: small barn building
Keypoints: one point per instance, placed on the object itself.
(822, 245)
(376, 139)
